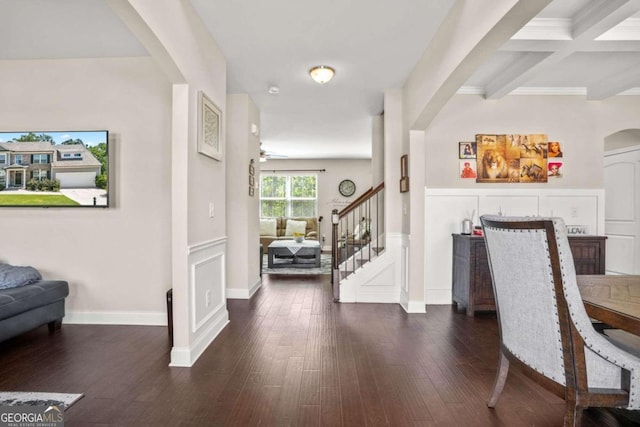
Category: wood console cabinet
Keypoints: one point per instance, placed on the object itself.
(472, 288)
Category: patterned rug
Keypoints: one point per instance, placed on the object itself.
(325, 267)
(27, 398)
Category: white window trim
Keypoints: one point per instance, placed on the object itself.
(287, 199)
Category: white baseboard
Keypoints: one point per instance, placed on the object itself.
(185, 356)
(414, 307)
(438, 296)
(236, 293)
(115, 318)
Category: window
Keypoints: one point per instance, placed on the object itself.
(18, 159)
(69, 156)
(40, 159)
(288, 195)
(39, 174)
(3, 159)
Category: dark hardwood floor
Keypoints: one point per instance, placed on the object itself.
(290, 356)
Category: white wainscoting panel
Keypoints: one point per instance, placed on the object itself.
(207, 299)
(509, 205)
(446, 208)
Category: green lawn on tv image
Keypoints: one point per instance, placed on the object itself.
(36, 200)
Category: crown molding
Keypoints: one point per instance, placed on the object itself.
(470, 90)
(549, 91)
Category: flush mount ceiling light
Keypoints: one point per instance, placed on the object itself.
(322, 73)
(273, 90)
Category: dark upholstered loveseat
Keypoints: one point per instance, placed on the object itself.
(27, 307)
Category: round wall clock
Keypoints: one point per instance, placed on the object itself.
(347, 188)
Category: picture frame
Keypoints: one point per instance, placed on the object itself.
(252, 182)
(404, 166)
(251, 191)
(209, 128)
(252, 169)
(467, 150)
(404, 184)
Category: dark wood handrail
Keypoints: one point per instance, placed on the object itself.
(337, 217)
(357, 202)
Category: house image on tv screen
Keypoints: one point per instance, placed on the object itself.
(72, 165)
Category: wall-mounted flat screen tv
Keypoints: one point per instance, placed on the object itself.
(54, 169)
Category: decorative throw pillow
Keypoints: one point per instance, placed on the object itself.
(267, 226)
(12, 276)
(294, 226)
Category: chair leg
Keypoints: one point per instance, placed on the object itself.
(501, 378)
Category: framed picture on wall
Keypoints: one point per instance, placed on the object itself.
(404, 166)
(209, 123)
(466, 150)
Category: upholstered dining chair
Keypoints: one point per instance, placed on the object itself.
(543, 325)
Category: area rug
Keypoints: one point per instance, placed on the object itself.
(325, 267)
(28, 398)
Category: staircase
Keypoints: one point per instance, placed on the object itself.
(357, 237)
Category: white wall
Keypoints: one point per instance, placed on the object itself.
(243, 247)
(117, 260)
(581, 126)
(329, 198)
(180, 45)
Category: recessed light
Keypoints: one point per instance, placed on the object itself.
(273, 90)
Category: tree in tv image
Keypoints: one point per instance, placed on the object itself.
(54, 169)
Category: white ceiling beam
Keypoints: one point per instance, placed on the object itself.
(534, 45)
(517, 68)
(546, 29)
(508, 82)
(615, 84)
(585, 46)
(442, 69)
(598, 17)
(147, 38)
(611, 46)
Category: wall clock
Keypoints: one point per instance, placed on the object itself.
(347, 188)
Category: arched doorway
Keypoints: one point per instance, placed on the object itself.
(622, 201)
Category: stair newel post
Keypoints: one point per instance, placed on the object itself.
(335, 251)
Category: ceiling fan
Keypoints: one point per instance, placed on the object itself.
(267, 155)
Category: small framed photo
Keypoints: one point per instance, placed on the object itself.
(554, 169)
(252, 182)
(404, 166)
(252, 169)
(251, 191)
(466, 150)
(404, 184)
(554, 149)
(209, 123)
(468, 169)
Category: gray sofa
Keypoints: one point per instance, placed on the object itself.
(27, 307)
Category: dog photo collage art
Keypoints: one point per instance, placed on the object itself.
(510, 158)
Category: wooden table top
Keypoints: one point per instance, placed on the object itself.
(614, 300)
